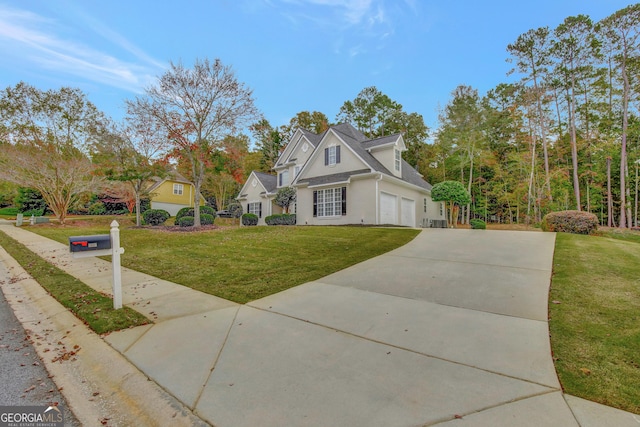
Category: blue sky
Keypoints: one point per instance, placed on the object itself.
(296, 55)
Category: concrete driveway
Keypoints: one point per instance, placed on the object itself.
(450, 329)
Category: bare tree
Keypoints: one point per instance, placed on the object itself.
(197, 107)
(44, 137)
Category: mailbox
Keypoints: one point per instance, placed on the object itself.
(89, 243)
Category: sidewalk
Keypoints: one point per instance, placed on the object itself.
(450, 329)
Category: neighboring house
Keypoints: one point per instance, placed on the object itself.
(343, 177)
(172, 193)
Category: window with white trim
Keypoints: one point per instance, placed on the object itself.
(296, 170)
(397, 159)
(441, 209)
(178, 189)
(255, 208)
(330, 202)
(284, 179)
(425, 205)
(332, 155)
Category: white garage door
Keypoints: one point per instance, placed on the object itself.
(388, 209)
(408, 212)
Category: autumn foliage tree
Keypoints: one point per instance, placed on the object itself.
(197, 108)
(43, 140)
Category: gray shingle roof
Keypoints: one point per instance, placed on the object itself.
(268, 181)
(330, 179)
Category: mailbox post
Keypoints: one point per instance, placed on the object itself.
(101, 245)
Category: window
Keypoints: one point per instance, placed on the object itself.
(425, 205)
(397, 158)
(296, 171)
(330, 202)
(178, 189)
(255, 208)
(332, 155)
(441, 209)
(284, 179)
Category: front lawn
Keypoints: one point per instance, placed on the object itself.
(594, 309)
(246, 263)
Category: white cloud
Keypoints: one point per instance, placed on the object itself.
(37, 40)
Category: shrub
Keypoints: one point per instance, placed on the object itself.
(190, 212)
(235, 209)
(185, 221)
(478, 224)
(575, 222)
(249, 219)
(97, 208)
(206, 219)
(9, 211)
(155, 216)
(281, 219)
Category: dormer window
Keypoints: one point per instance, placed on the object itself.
(283, 179)
(397, 160)
(332, 155)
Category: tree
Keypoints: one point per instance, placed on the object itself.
(285, 197)
(621, 30)
(270, 143)
(127, 154)
(531, 51)
(45, 137)
(314, 121)
(452, 193)
(369, 112)
(375, 114)
(462, 128)
(574, 48)
(197, 108)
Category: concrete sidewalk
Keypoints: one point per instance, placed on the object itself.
(450, 329)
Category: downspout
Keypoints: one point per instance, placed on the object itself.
(378, 199)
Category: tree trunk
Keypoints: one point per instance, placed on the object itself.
(623, 149)
(609, 201)
(574, 153)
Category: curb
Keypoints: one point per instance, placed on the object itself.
(99, 384)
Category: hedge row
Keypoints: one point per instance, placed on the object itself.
(190, 212)
(187, 221)
(281, 219)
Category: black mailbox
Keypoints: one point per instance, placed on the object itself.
(89, 243)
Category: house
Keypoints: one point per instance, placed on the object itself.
(172, 193)
(343, 177)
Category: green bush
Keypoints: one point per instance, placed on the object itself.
(478, 224)
(249, 219)
(155, 216)
(281, 219)
(206, 219)
(97, 208)
(190, 212)
(235, 209)
(185, 221)
(9, 211)
(575, 222)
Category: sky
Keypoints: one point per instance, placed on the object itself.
(296, 55)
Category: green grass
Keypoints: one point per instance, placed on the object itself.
(595, 317)
(242, 264)
(93, 308)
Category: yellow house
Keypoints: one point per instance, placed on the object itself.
(172, 193)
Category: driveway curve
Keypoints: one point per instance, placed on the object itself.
(451, 327)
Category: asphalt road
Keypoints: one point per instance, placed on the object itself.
(24, 379)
